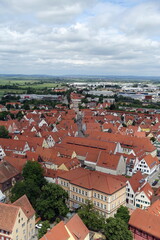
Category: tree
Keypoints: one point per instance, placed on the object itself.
(9, 106)
(32, 183)
(26, 106)
(52, 202)
(117, 229)
(100, 99)
(33, 170)
(43, 229)
(4, 132)
(112, 107)
(27, 187)
(19, 115)
(123, 213)
(153, 139)
(91, 218)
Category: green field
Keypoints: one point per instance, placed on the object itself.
(21, 85)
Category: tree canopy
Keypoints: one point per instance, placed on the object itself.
(32, 183)
(123, 213)
(117, 229)
(52, 202)
(33, 170)
(4, 132)
(42, 231)
(91, 218)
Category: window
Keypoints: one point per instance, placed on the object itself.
(98, 195)
(105, 198)
(73, 189)
(104, 206)
(101, 197)
(95, 195)
(17, 230)
(86, 193)
(76, 190)
(24, 224)
(82, 192)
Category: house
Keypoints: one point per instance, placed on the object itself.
(15, 146)
(133, 185)
(105, 191)
(144, 196)
(9, 175)
(17, 220)
(28, 210)
(128, 143)
(148, 164)
(73, 229)
(144, 225)
(111, 163)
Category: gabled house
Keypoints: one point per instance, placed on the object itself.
(73, 229)
(144, 196)
(17, 220)
(9, 175)
(28, 210)
(148, 165)
(144, 225)
(133, 186)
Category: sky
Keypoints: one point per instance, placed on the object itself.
(80, 37)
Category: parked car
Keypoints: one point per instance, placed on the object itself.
(38, 225)
(155, 182)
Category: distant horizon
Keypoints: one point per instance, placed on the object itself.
(78, 75)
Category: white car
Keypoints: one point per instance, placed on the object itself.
(38, 225)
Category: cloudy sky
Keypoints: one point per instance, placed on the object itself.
(94, 37)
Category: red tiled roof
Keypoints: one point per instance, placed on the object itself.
(145, 221)
(58, 232)
(102, 182)
(25, 205)
(8, 214)
(151, 161)
(18, 163)
(135, 181)
(77, 228)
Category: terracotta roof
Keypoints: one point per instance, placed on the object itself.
(155, 208)
(99, 181)
(135, 181)
(25, 205)
(147, 190)
(151, 161)
(146, 221)
(87, 142)
(110, 161)
(8, 214)
(18, 163)
(14, 145)
(125, 140)
(7, 171)
(58, 232)
(77, 228)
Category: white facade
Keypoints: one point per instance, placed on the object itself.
(142, 201)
